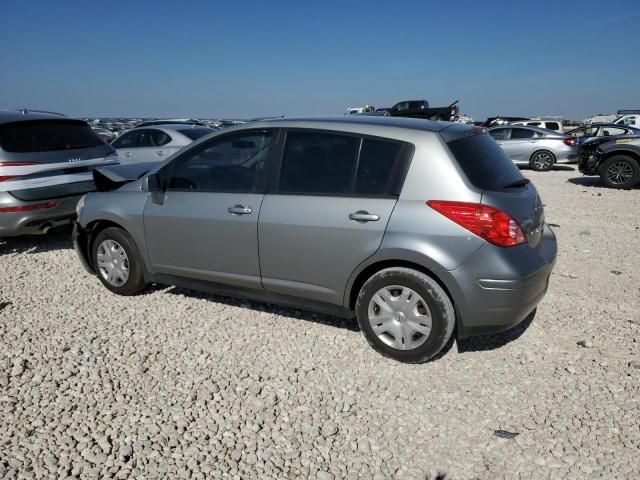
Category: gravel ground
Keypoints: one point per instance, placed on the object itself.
(179, 384)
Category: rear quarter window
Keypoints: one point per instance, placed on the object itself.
(484, 163)
(195, 133)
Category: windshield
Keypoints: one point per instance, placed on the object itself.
(47, 136)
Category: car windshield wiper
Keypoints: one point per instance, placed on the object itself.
(517, 183)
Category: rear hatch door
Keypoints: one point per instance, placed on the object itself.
(487, 168)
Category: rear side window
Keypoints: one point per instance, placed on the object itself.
(318, 163)
(195, 133)
(484, 163)
(376, 166)
(47, 136)
(521, 133)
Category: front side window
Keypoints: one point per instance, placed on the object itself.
(318, 163)
(157, 138)
(552, 126)
(128, 140)
(227, 165)
(585, 132)
(401, 107)
(499, 133)
(519, 133)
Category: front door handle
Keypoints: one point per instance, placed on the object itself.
(128, 154)
(160, 152)
(363, 216)
(533, 141)
(239, 210)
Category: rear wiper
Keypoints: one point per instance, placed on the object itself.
(517, 183)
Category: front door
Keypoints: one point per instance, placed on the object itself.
(328, 212)
(205, 225)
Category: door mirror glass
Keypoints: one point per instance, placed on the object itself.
(153, 183)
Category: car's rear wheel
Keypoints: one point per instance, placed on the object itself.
(117, 262)
(620, 171)
(542, 161)
(405, 314)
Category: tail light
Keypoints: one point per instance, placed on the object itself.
(28, 208)
(570, 141)
(489, 223)
(454, 110)
(12, 164)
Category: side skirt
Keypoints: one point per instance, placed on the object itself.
(254, 294)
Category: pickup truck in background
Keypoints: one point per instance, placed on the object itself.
(628, 118)
(421, 109)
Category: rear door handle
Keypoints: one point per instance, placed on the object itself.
(160, 152)
(363, 216)
(128, 154)
(239, 210)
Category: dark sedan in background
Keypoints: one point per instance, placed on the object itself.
(587, 132)
(615, 160)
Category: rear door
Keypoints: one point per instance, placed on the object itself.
(327, 212)
(205, 226)
(521, 144)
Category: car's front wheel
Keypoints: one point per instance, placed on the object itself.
(405, 314)
(117, 262)
(620, 171)
(542, 161)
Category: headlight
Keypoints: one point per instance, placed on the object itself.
(80, 205)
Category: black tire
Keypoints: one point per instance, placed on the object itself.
(542, 161)
(620, 171)
(135, 282)
(438, 302)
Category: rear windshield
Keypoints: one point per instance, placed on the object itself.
(484, 163)
(196, 133)
(47, 136)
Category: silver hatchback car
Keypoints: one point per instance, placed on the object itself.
(536, 147)
(419, 229)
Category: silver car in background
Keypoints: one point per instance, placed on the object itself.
(417, 228)
(45, 167)
(157, 142)
(535, 147)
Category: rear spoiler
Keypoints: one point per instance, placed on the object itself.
(107, 179)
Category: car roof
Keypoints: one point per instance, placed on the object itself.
(172, 127)
(344, 122)
(10, 116)
(529, 127)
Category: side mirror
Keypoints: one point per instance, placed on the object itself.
(153, 183)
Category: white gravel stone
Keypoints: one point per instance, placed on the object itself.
(182, 384)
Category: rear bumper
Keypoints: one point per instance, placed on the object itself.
(498, 288)
(36, 221)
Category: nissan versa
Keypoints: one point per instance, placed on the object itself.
(45, 167)
(417, 228)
